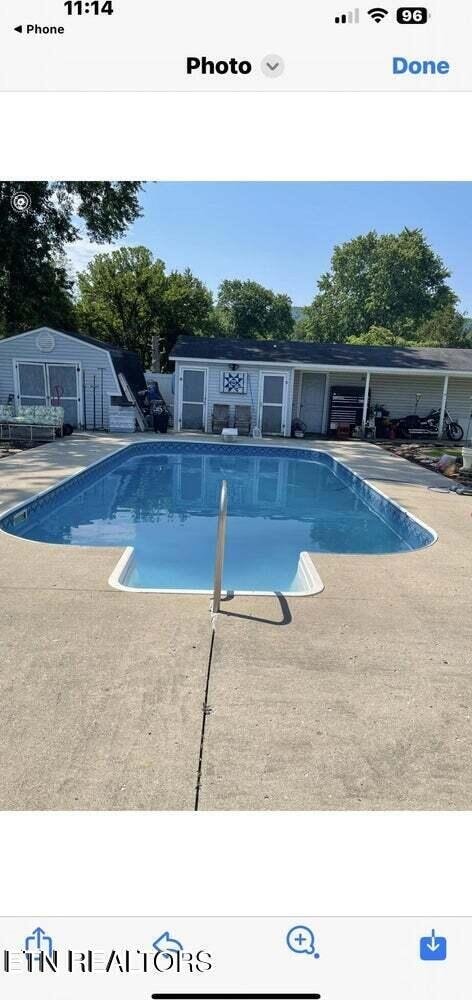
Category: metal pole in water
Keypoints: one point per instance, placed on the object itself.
(220, 547)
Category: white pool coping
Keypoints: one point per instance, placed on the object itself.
(307, 578)
(307, 574)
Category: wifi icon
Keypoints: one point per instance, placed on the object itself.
(377, 14)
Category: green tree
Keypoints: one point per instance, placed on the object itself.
(247, 309)
(394, 281)
(187, 308)
(447, 328)
(35, 286)
(107, 208)
(378, 336)
(126, 296)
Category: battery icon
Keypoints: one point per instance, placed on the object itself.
(412, 15)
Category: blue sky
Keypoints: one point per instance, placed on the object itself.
(282, 235)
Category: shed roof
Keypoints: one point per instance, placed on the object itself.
(303, 352)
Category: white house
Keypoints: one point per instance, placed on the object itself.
(320, 383)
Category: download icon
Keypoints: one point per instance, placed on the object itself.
(433, 949)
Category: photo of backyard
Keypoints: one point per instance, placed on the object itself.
(235, 496)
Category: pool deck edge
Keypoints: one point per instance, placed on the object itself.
(359, 699)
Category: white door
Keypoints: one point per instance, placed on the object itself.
(273, 402)
(193, 386)
(42, 383)
(311, 401)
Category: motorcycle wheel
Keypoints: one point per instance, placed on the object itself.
(454, 432)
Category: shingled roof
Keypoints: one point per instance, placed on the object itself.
(304, 352)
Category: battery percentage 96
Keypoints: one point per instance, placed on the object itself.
(412, 15)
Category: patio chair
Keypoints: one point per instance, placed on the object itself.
(242, 419)
(31, 423)
(220, 418)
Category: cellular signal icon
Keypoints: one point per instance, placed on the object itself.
(351, 17)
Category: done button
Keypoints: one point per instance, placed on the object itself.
(420, 67)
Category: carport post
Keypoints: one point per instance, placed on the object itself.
(366, 402)
(443, 407)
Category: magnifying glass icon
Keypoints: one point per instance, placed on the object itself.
(301, 940)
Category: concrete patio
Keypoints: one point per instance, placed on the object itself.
(359, 698)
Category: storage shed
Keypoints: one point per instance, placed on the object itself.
(317, 383)
(72, 370)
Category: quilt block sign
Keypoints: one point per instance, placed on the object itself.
(235, 382)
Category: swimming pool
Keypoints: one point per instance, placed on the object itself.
(159, 501)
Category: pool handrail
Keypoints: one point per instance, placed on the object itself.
(220, 547)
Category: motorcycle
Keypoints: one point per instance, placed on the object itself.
(430, 425)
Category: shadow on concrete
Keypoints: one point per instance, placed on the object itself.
(286, 618)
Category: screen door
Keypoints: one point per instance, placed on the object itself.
(63, 390)
(273, 404)
(193, 399)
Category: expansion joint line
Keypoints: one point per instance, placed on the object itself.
(206, 711)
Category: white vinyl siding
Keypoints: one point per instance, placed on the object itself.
(396, 392)
(214, 394)
(67, 350)
(459, 402)
(248, 398)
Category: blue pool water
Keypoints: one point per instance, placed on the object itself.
(162, 499)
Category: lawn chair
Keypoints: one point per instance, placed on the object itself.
(242, 419)
(220, 418)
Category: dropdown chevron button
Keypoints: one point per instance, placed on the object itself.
(272, 65)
